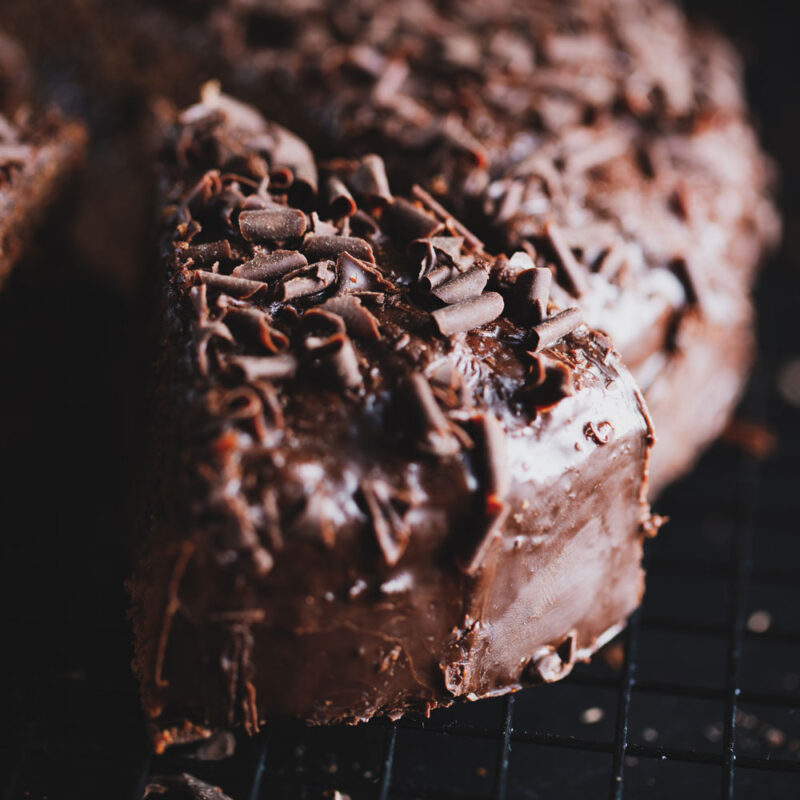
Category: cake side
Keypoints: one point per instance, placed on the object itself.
(387, 457)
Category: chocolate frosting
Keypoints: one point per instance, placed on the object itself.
(359, 512)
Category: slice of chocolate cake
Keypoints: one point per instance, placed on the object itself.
(393, 472)
(38, 151)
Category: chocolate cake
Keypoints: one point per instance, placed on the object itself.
(38, 151)
(394, 471)
(614, 123)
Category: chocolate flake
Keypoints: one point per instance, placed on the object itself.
(355, 276)
(406, 222)
(307, 281)
(432, 426)
(532, 291)
(468, 314)
(234, 286)
(428, 201)
(204, 255)
(369, 179)
(388, 525)
(317, 248)
(255, 324)
(547, 333)
(463, 286)
(272, 224)
(492, 450)
(267, 266)
(573, 272)
(271, 368)
(359, 321)
(340, 201)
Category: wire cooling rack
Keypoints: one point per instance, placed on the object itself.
(701, 694)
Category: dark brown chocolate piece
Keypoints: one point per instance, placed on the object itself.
(532, 291)
(272, 224)
(317, 248)
(462, 287)
(468, 314)
(268, 266)
(548, 332)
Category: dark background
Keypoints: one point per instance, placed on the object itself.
(692, 683)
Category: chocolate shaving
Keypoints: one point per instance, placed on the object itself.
(428, 202)
(357, 276)
(388, 525)
(255, 324)
(307, 281)
(434, 431)
(531, 293)
(333, 347)
(339, 200)
(359, 321)
(267, 266)
(205, 333)
(272, 224)
(406, 222)
(463, 286)
(204, 255)
(234, 286)
(547, 333)
(317, 248)
(273, 368)
(490, 533)
(369, 179)
(549, 384)
(437, 277)
(572, 271)
(468, 314)
(492, 453)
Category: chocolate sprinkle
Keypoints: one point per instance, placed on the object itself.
(532, 291)
(267, 266)
(463, 286)
(468, 314)
(317, 248)
(547, 333)
(272, 224)
(572, 271)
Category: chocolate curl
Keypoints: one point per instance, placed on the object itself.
(436, 208)
(437, 277)
(492, 451)
(204, 255)
(531, 292)
(255, 324)
(573, 272)
(272, 224)
(205, 332)
(462, 287)
(490, 532)
(307, 281)
(236, 287)
(435, 433)
(317, 248)
(391, 532)
(240, 404)
(268, 266)
(339, 200)
(406, 222)
(468, 314)
(547, 333)
(292, 152)
(359, 321)
(549, 382)
(613, 261)
(357, 276)
(369, 179)
(271, 368)
(199, 298)
(333, 347)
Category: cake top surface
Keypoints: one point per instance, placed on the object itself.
(353, 355)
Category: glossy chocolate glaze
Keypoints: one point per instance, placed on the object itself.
(358, 515)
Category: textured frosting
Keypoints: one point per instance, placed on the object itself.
(611, 118)
(393, 473)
